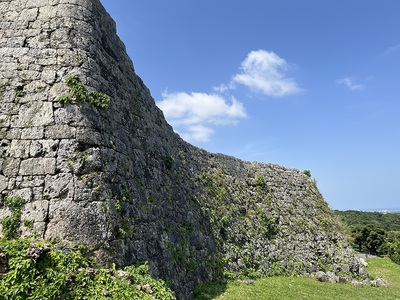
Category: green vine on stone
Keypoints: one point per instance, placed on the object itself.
(11, 223)
(78, 93)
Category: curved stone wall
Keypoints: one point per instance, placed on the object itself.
(122, 182)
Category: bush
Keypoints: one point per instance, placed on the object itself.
(11, 223)
(41, 271)
(78, 93)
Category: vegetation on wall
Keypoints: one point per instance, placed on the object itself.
(39, 270)
(79, 94)
(31, 269)
(238, 223)
(11, 223)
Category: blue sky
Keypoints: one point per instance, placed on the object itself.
(312, 85)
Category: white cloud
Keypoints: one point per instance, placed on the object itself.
(198, 133)
(193, 115)
(265, 72)
(391, 50)
(350, 83)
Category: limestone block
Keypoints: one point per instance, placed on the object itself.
(32, 133)
(60, 131)
(69, 114)
(36, 211)
(29, 181)
(59, 186)
(4, 148)
(3, 183)
(16, 42)
(11, 166)
(82, 223)
(141, 250)
(67, 160)
(20, 148)
(37, 193)
(29, 75)
(47, 13)
(4, 121)
(47, 57)
(58, 89)
(48, 76)
(89, 136)
(39, 42)
(29, 14)
(43, 148)
(25, 193)
(60, 39)
(9, 108)
(34, 114)
(35, 88)
(38, 166)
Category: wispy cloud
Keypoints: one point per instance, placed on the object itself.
(391, 50)
(266, 72)
(194, 115)
(350, 82)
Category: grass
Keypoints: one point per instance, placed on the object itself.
(309, 288)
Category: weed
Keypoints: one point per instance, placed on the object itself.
(79, 94)
(168, 161)
(11, 223)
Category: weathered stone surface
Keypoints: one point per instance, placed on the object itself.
(32, 133)
(379, 282)
(3, 183)
(60, 132)
(20, 148)
(10, 166)
(34, 114)
(326, 277)
(123, 183)
(37, 211)
(59, 186)
(37, 166)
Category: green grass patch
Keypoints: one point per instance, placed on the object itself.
(309, 288)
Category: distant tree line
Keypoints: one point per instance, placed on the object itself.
(387, 221)
(374, 232)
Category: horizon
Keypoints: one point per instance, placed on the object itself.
(314, 87)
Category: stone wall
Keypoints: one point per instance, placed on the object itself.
(122, 182)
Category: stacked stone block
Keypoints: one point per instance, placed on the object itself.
(120, 180)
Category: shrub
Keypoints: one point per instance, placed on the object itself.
(168, 161)
(11, 223)
(69, 274)
(78, 93)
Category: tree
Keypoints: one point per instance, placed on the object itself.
(368, 237)
(375, 237)
(357, 236)
(391, 246)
